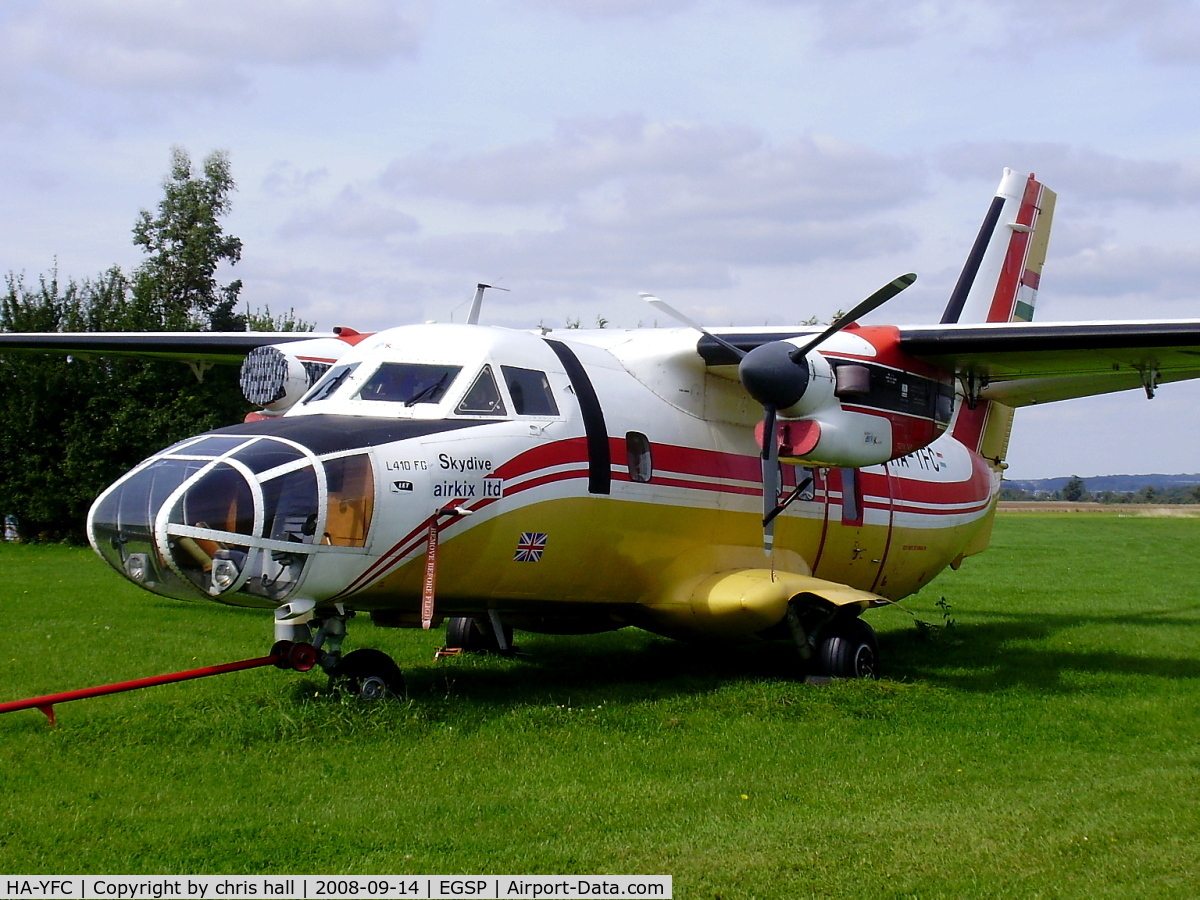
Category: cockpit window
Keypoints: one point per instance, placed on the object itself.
(209, 447)
(333, 380)
(409, 383)
(483, 399)
(262, 456)
(530, 392)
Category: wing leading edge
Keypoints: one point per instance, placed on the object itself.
(185, 346)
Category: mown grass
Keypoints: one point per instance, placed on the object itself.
(1048, 745)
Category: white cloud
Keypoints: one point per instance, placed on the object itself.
(670, 204)
(1165, 30)
(1088, 175)
(332, 296)
(1175, 36)
(583, 154)
(1166, 272)
(704, 254)
(154, 46)
(597, 9)
(350, 216)
(674, 170)
(285, 180)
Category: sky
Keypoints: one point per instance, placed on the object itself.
(749, 161)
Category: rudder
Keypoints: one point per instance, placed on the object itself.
(999, 283)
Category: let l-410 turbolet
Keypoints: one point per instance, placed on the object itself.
(578, 482)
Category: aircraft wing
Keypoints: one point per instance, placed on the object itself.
(183, 346)
(1023, 363)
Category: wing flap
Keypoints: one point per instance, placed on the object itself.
(1020, 364)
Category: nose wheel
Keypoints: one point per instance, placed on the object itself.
(369, 674)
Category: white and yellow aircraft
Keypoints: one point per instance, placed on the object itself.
(587, 481)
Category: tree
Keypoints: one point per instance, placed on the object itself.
(1075, 490)
(186, 244)
(70, 427)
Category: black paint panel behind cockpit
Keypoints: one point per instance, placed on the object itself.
(331, 434)
(599, 457)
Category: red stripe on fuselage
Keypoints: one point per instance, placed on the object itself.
(676, 460)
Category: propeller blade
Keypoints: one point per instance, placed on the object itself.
(876, 300)
(680, 317)
(770, 478)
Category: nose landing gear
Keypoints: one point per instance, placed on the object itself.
(367, 673)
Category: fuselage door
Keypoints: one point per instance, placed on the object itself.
(858, 524)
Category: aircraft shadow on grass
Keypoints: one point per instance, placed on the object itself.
(976, 657)
(605, 668)
(1012, 652)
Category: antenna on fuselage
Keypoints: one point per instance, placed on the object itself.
(477, 303)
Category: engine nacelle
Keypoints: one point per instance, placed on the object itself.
(275, 376)
(859, 413)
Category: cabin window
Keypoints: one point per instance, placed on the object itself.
(351, 500)
(327, 386)
(637, 455)
(530, 392)
(852, 513)
(943, 408)
(409, 383)
(851, 381)
(483, 399)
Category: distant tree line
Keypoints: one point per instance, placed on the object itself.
(1076, 491)
(70, 426)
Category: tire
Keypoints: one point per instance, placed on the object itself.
(849, 651)
(464, 633)
(370, 674)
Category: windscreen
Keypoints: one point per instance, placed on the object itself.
(328, 385)
(409, 383)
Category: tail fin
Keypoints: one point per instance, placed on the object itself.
(999, 283)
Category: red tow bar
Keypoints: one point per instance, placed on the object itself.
(284, 655)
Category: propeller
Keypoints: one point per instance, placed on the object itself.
(680, 317)
(777, 374)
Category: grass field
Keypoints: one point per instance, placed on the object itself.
(1048, 745)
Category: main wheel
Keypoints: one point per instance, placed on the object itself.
(371, 674)
(464, 633)
(849, 651)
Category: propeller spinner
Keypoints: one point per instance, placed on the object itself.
(776, 374)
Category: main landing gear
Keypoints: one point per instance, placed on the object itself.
(468, 635)
(848, 651)
(833, 644)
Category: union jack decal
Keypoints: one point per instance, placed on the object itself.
(530, 547)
